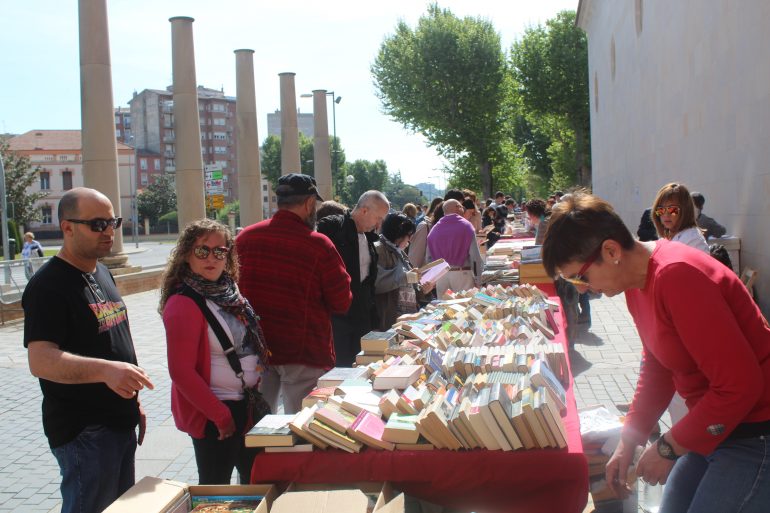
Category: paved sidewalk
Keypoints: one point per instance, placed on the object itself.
(605, 363)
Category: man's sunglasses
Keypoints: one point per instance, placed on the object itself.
(202, 252)
(579, 279)
(99, 225)
(673, 210)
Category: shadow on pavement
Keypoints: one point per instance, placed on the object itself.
(588, 338)
(578, 364)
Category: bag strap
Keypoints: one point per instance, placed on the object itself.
(216, 326)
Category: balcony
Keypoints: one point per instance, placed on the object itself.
(170, 169)
(169, 154)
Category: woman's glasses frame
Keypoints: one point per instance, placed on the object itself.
(202, 252)
(579, 278)
(672, 210)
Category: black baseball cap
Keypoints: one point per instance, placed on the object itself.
(296, 184)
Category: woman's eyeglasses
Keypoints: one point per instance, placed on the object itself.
(673, 210)
(202, 252)
(99, 225)
(579, 279)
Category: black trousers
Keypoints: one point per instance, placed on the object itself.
(216, 459)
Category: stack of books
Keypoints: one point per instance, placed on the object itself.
(476, 369)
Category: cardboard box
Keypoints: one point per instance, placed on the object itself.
(155, 495)
(339, 498)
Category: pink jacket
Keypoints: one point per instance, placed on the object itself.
(189, 365)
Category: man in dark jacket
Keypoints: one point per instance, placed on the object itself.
(353, 234)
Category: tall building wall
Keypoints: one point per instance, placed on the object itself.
(680, 92)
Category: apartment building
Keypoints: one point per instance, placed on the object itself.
(58, 155)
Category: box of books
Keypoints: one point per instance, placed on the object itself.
(155, 495)
(364, 497)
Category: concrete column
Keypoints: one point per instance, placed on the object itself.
(249, 171)
(189, 164)
(322, 164)
(289, 131)
(100, 152)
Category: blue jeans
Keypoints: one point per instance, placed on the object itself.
(96, 468)
(734, 478)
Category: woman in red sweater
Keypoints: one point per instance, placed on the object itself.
(702, 336)
(209, 400)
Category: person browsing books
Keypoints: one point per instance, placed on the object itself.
(294, 277)
(715, 458)
(79, 344)
(353, 234)
(393, 295)
(215, 349)
(454, 239)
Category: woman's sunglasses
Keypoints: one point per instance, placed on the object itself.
(99, 225)
(673, 210)
(202, 252)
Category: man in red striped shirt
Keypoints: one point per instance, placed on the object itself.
(295, 280)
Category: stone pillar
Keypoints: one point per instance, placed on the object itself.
(249, 171)
(190, 198)
(289, 131)
(100, 151)
(322, 164)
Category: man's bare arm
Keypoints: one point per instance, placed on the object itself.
(48, 362)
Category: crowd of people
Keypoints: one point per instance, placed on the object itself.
(253, 321)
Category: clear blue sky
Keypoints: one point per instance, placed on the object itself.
(329, 45)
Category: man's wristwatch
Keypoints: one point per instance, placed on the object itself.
(665, 450)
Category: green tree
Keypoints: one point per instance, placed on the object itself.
(157, 199)
(19, 176)
(270, 157)
(222, 213)
(399, 193)
(550, 67)
(367, 176)
(446, 80)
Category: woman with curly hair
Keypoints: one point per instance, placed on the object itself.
(206, 316)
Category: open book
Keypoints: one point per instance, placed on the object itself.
(429, 273)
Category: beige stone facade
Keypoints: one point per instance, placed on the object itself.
(680, 92)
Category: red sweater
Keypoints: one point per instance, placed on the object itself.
(704, 337)
(295, 279)
(189, 365)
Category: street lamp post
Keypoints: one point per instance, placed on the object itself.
(131, 185)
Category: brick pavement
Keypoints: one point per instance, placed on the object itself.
(605, 363)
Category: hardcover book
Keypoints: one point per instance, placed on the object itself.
(271, 431)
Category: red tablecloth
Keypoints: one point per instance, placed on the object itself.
(534, 481)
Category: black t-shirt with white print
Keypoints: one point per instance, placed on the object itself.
(84, 314)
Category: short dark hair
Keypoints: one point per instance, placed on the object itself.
(397, 225)
(698, 199)
(579, 224)
(455, 194)
(536, 207)
(330, 208)
(468, 204)
(433, 204)
(68, 206)
(510, 201)
(499, 193)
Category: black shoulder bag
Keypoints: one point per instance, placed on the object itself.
(257, 407)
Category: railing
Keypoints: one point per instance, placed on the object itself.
(14, 276)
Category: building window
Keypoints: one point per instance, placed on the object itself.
(220, 136)
(219, 121)
(156, 163)
(117, 132)
(127, 120)
(220, 149)
(144, 179)
(45, 180)
(264, 189)
(143, 164)
(63, 158)
(48, 158)
(66, 180)
(264, 199)
(46, 213)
